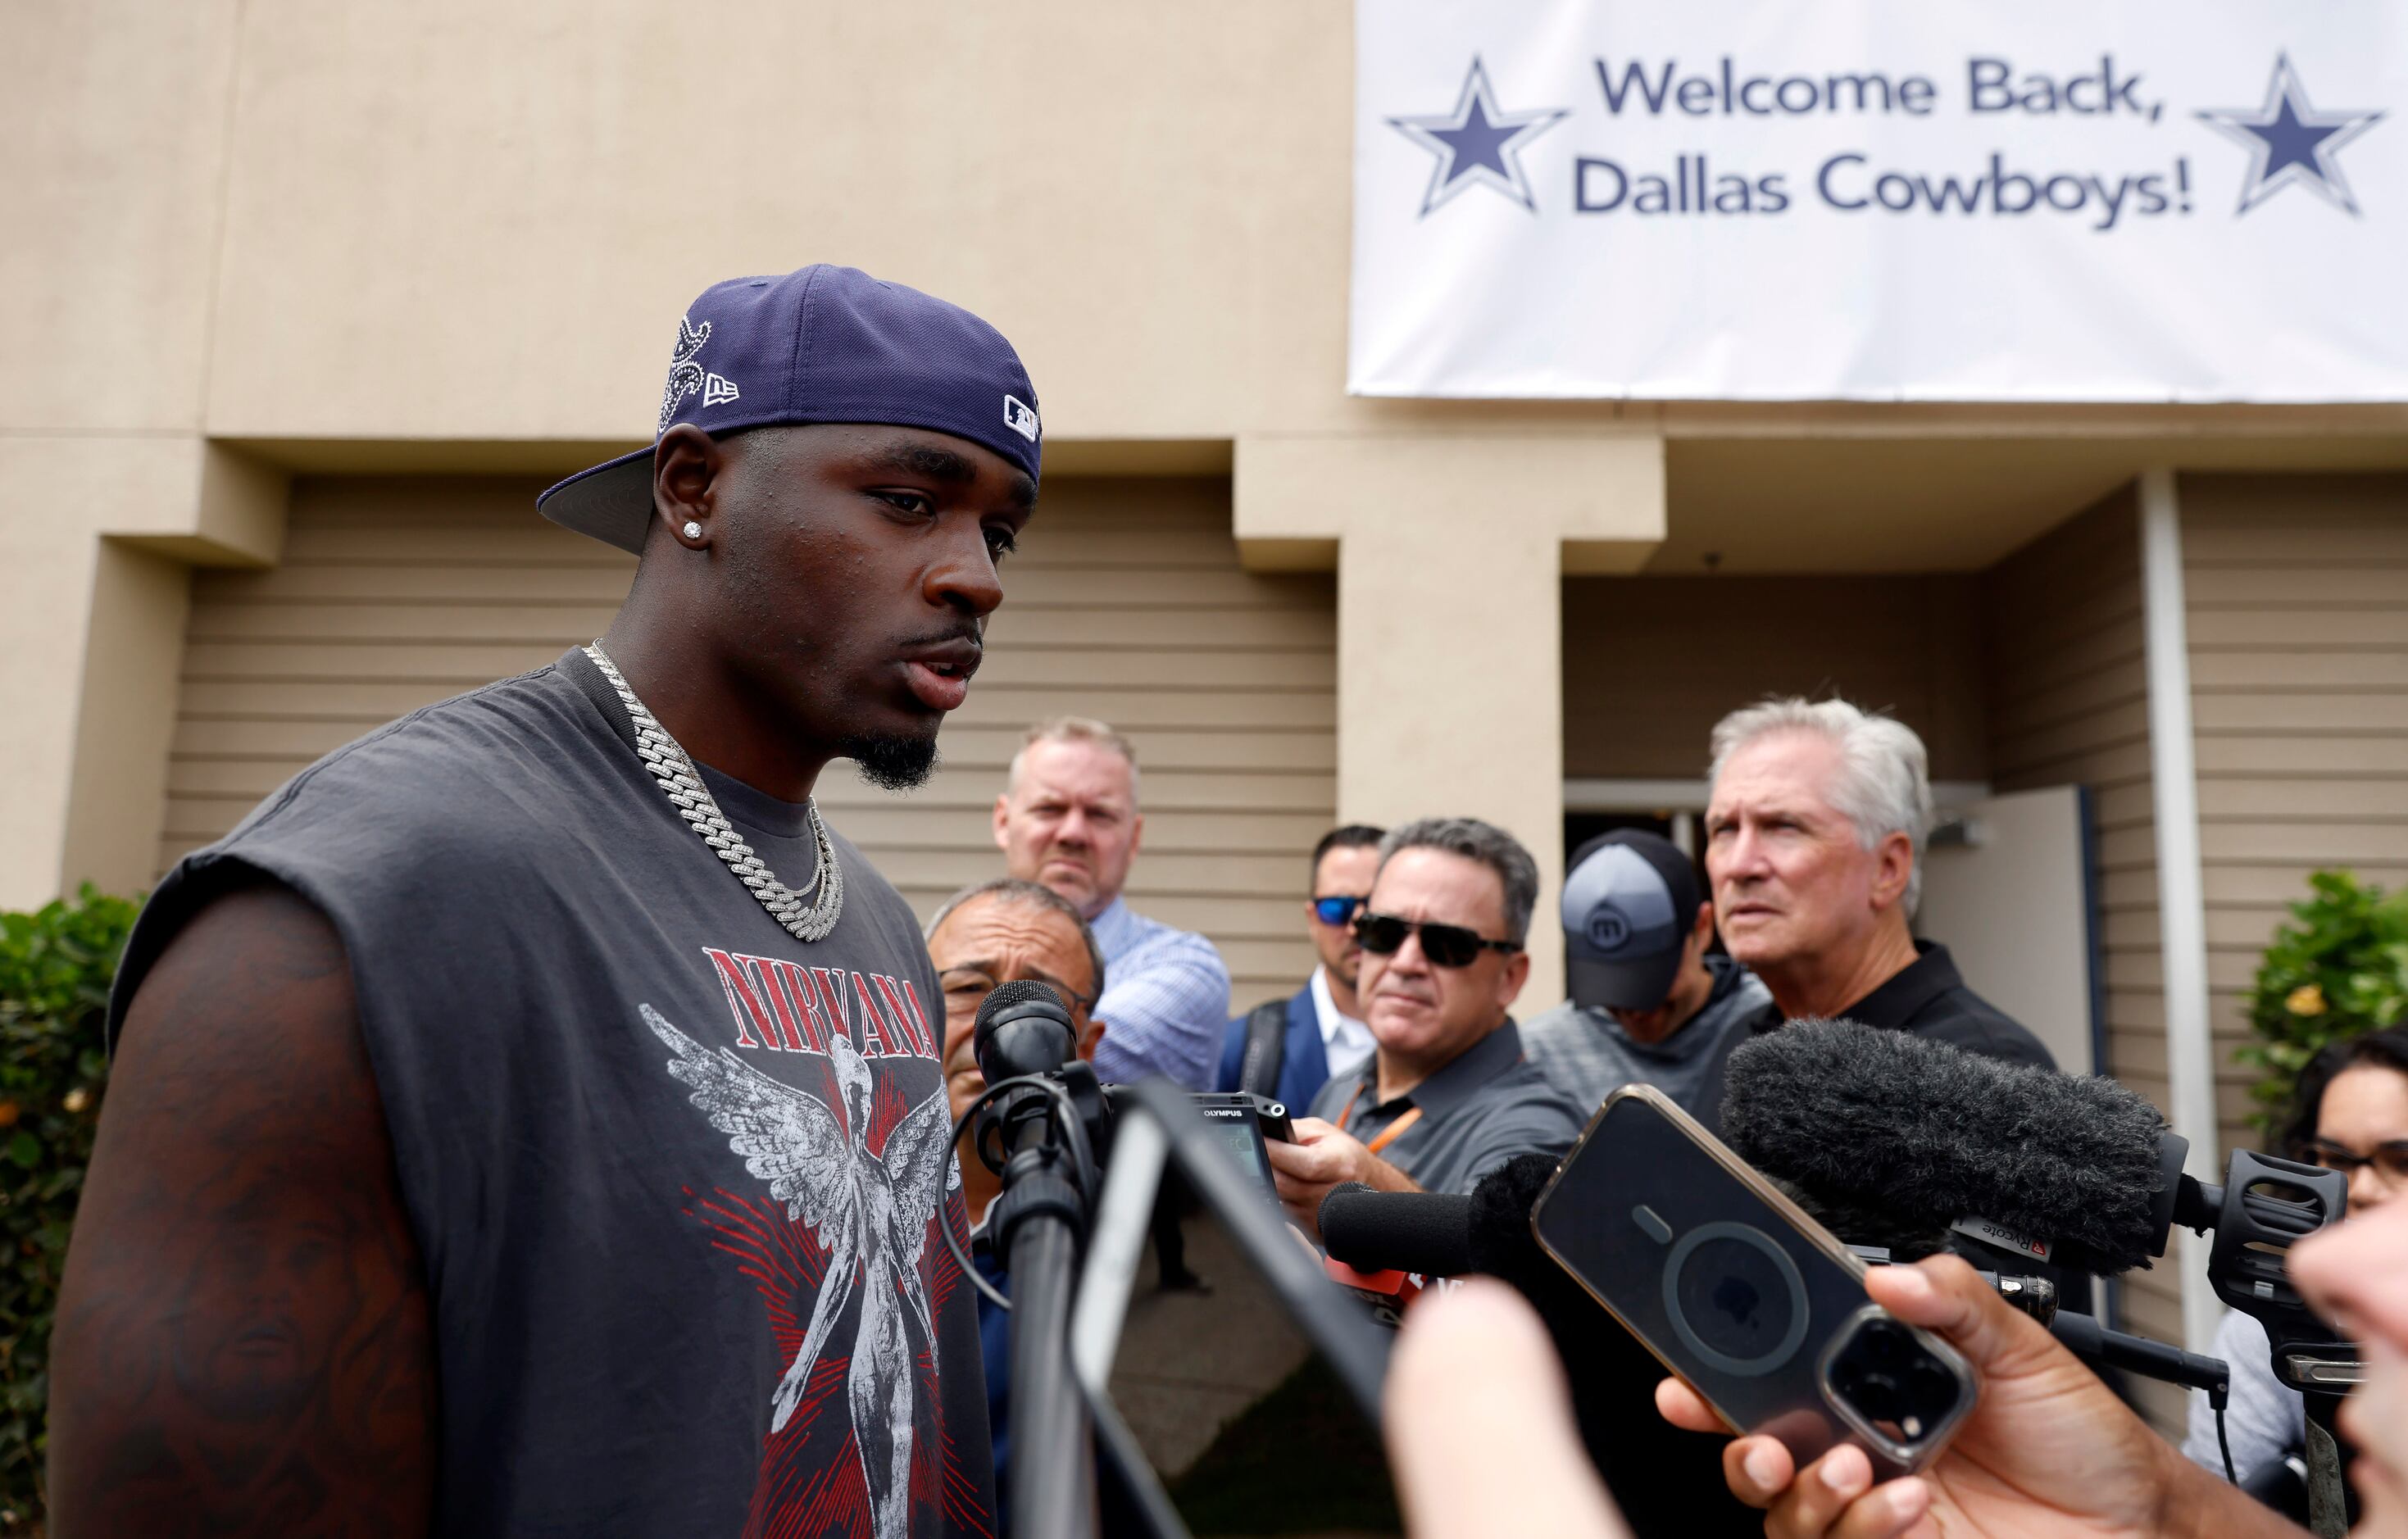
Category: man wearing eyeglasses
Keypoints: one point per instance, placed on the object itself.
(986, 935)
(1288, 1049)
(1447, 1095)
(1001, 932)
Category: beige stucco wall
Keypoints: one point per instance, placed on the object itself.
(272, 236)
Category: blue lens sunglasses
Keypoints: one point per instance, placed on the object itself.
(1335, 911)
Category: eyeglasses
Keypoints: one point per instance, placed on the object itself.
(967, 988)
(1445, 945)
(2391, 1161)
(1335, 911)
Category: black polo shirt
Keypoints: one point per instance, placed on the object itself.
(1929, 997)
(1486, 1105)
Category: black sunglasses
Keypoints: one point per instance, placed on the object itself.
(1445, 945)
(1335, 911)
(2391, 1161)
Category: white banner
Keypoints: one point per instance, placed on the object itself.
(1934, 200)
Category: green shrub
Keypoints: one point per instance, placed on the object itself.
(2340, 969)
(55, 967)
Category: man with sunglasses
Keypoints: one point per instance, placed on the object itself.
(1447, 1095)
(1288, 1049)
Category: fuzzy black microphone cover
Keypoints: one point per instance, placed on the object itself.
(1876, 1121)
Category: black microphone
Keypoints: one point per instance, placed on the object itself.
(1425, 1232)
(1022, 1028)
(1665, 1480)
(2082, 1172)
(1889, 1138)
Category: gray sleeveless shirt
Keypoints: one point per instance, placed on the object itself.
(674, 1175)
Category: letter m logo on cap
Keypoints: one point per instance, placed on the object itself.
(1020, 417)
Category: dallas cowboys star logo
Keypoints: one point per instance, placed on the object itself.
(2290, 142)
(1479, 143)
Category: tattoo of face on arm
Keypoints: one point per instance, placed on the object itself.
(243, 1342)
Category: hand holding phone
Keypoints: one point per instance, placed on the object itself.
(2047, 1449)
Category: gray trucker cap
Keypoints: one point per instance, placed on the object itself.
(1629, 900)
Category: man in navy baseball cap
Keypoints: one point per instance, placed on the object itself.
(555, 1015)
(788, 400)
(1650, 1003)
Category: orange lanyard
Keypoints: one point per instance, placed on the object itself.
(1386, 1136)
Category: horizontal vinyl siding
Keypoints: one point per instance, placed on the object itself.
(1126, 603)
(2069, 705)
(2297, 591)
(1651, 664)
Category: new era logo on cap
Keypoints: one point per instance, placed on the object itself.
(687, 376)
(1020, 417)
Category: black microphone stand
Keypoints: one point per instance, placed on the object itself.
(1037, 1225)
(2330, 1501)
(1034, 1128)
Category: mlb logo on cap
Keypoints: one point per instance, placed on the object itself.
(821, 344)
(1020, 417)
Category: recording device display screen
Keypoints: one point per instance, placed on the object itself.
(1237, 1133)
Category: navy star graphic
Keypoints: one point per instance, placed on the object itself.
(2290, 142)
(1478, 143)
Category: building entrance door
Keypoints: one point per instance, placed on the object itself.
(2007, 887)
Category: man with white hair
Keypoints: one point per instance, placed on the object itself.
(1815, 820)
(1069, 821)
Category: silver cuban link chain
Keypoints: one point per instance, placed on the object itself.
(682, 784)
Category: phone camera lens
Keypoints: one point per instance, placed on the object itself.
(1892, 1381)
(1930, 1388)
(1879, 1396)
(1882, 1342)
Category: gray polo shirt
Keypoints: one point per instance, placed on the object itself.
(1588, 1056)
(1487, 1105)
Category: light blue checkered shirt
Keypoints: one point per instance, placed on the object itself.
(1165, 1001)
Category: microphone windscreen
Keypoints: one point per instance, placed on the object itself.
(1887, 1122)
(1427, 1233)
(1022, 1028)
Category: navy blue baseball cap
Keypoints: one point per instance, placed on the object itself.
(1630, 900)
(821, 344)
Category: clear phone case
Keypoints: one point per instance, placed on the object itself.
(1742, 1294)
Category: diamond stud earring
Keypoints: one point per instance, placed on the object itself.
(693, 529)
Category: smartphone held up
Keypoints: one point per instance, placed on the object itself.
(1737, 1291)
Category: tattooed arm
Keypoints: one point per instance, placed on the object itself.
(242, 1344)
